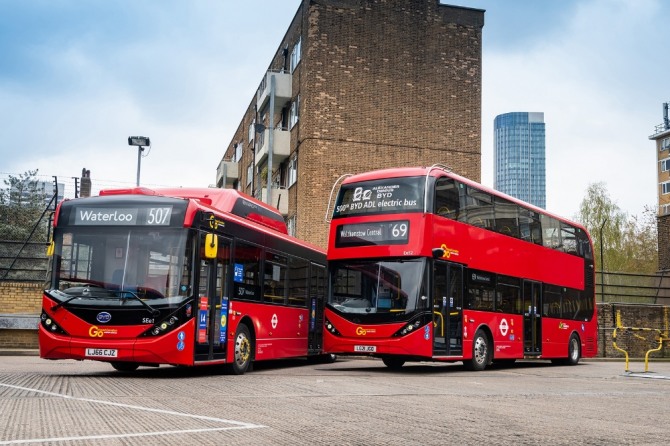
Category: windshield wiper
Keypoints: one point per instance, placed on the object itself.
(62, 303)
(154, 312)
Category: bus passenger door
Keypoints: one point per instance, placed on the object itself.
(532, 322)
(212, 305)
(447, 309)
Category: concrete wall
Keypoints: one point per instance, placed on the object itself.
(21, 306)
(636, 342)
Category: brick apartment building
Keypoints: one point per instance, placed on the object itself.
(357, 85)
(662, 138)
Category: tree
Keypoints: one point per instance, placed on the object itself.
(22, 204)
(628, 244)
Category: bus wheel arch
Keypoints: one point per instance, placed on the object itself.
(574, 351)
(243, 347)
(482, 350)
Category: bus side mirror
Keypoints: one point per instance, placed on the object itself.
(50, 248)
(438, 253)
(211, 246)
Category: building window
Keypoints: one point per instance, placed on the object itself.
(665, 165)
(295, 112)
(250, 172)
(665, 144)
(295, 54)
(293, 170)
(252, 130)
(290, 226)
(665, 187)
(664, 209)
(238, 152)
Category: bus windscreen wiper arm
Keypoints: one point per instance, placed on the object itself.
(154, 312)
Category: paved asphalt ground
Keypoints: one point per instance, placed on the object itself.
(354, 401)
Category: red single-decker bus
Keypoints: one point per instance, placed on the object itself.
(180, 276)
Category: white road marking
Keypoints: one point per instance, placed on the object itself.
(236, 424)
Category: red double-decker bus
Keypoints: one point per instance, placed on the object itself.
(427, 265)
(180, 276)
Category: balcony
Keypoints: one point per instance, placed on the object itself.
(279, 199)
(227, 173)
(280, 150)
(283, 88)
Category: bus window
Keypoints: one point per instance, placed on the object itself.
(298, 272)
(247, 271)
(507, 218)
(479, 208)
(551, 237)
(529, 226)
(447, 203)
(508, 295)
(274, 278)
(583, 245)
(568, 239)
(551, 301)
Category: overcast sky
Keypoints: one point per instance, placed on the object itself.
(78, 77)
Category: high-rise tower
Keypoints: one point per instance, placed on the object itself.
(519, 159)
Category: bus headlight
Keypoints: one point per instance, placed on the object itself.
(50, 325)
(168, 324)
(410, 327)
(331, 328)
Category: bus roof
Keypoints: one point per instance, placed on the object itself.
(441, 172)
(225, 200)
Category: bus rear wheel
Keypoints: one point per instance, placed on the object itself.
(481, 353)
(393, 363)
(243, 349)
(125, 366)
(574, 352)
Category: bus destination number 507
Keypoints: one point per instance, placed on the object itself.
(159, 216)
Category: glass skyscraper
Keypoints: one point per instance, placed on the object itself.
(519, 160)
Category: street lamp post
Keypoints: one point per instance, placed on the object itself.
(141, 142)
(602, 263)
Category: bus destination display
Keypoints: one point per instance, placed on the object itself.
(378, 233)
(380, 197)
(152, 216)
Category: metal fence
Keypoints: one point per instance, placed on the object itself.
(632, 288)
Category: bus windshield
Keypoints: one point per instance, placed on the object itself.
(369, 286)
(143, 262)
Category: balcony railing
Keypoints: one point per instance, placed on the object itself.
(281, 147)
(227, 173)
(279, 199)
(283, 88)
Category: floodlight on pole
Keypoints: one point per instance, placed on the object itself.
(141, 142)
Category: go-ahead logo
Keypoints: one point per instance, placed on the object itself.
(360, 331)
(97, 332)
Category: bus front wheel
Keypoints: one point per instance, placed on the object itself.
(481, 353)
(125, 366)
(393, 363)
(243, 350)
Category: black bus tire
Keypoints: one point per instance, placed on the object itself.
(393, 363)
(125, 366)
